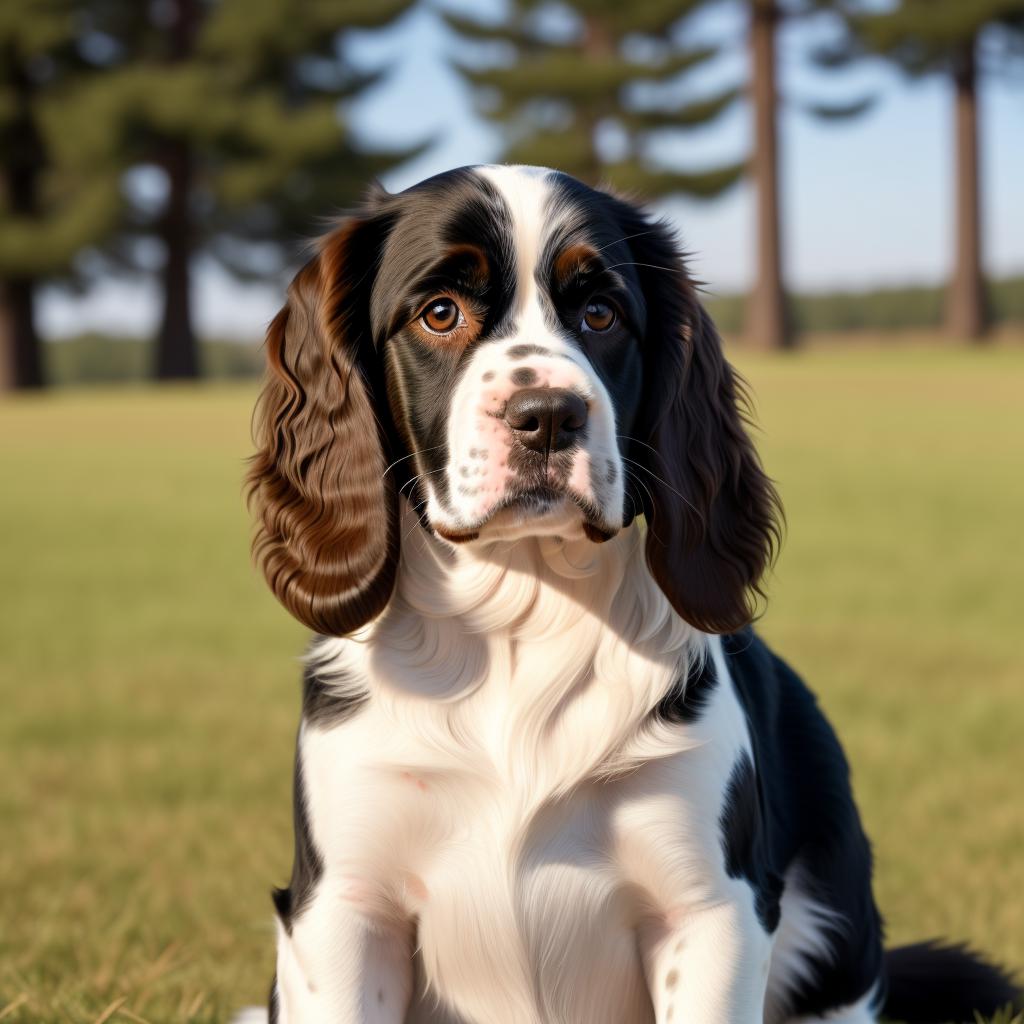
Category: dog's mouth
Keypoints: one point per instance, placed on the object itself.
(541, 509)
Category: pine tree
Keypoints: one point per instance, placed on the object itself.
(58, 177)
(591, 86)
(240, 104)
(768, 324)
(946, 37)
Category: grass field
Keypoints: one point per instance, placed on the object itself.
(149, 688)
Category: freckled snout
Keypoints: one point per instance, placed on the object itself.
(546, 419)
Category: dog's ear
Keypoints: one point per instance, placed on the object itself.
(326, 511)
(713, 516)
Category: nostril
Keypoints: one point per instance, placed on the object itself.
(531, 424)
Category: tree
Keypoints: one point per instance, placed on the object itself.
(591, 87)
(238, 107)
(945, 37)
(58, 182)
(768, 323)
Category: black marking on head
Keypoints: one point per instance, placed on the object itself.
(593, 222)
(522, 351)
(611, 474)
(452, 233)
(686, 700)
(488, 376)
(523, 377)
(308, 863)
(742, 827)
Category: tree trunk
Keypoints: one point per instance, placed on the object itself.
(20, 359)
(768, 325)
(967, 314)
(20, 362)
(598, 45)
(177, 356)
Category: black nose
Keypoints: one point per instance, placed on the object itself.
(546, 419)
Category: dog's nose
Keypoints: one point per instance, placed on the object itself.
(546, 419)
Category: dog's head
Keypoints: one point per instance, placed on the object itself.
(519, 355)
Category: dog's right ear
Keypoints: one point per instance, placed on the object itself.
(326, 512)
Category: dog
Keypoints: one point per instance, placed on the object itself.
(546, 771)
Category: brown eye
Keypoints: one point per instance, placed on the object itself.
(599, 316)
(441, 316)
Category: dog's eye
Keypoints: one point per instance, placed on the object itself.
(441, 316)
(598, 316)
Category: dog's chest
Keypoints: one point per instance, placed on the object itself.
(521, 906)
(519, 833)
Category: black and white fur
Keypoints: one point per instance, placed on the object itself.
(545, 771)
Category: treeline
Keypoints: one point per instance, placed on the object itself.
(880, 309)
(140, 136)
(95, 359)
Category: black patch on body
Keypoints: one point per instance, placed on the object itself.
(322, 708)
(323, 705)
(273, 1009)
(307, 865)
(686, 703)
(791, 803)
(742, 827)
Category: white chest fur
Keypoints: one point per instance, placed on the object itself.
(505, 798)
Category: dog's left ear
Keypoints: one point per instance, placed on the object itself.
(713, 515)
(326, 509)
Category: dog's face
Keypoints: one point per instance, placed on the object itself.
(518, 355)
(509, 320)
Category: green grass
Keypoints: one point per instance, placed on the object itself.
(150, 693)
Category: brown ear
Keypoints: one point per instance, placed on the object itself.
(326, 512)
(713, 516)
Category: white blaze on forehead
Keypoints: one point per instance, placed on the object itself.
(480, 473)
(527, 193)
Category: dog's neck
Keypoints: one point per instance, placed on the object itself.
(557, 643)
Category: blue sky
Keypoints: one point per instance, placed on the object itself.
(865, 202)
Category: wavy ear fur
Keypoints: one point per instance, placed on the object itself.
(713, 516)
(326, 513)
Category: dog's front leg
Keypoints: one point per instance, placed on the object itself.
(339, 965)
(709, 966)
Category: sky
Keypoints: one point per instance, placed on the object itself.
(866, 202)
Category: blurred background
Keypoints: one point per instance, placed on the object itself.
(849, 178)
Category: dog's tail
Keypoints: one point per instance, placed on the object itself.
(931, 982)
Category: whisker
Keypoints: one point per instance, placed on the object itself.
(420, 476)
(625, 238)
(634, 263)
(651, 522)
(665, 483)
(411, 455)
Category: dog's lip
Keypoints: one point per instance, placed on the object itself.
(543, 496)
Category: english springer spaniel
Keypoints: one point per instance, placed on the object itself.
(545, 770)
